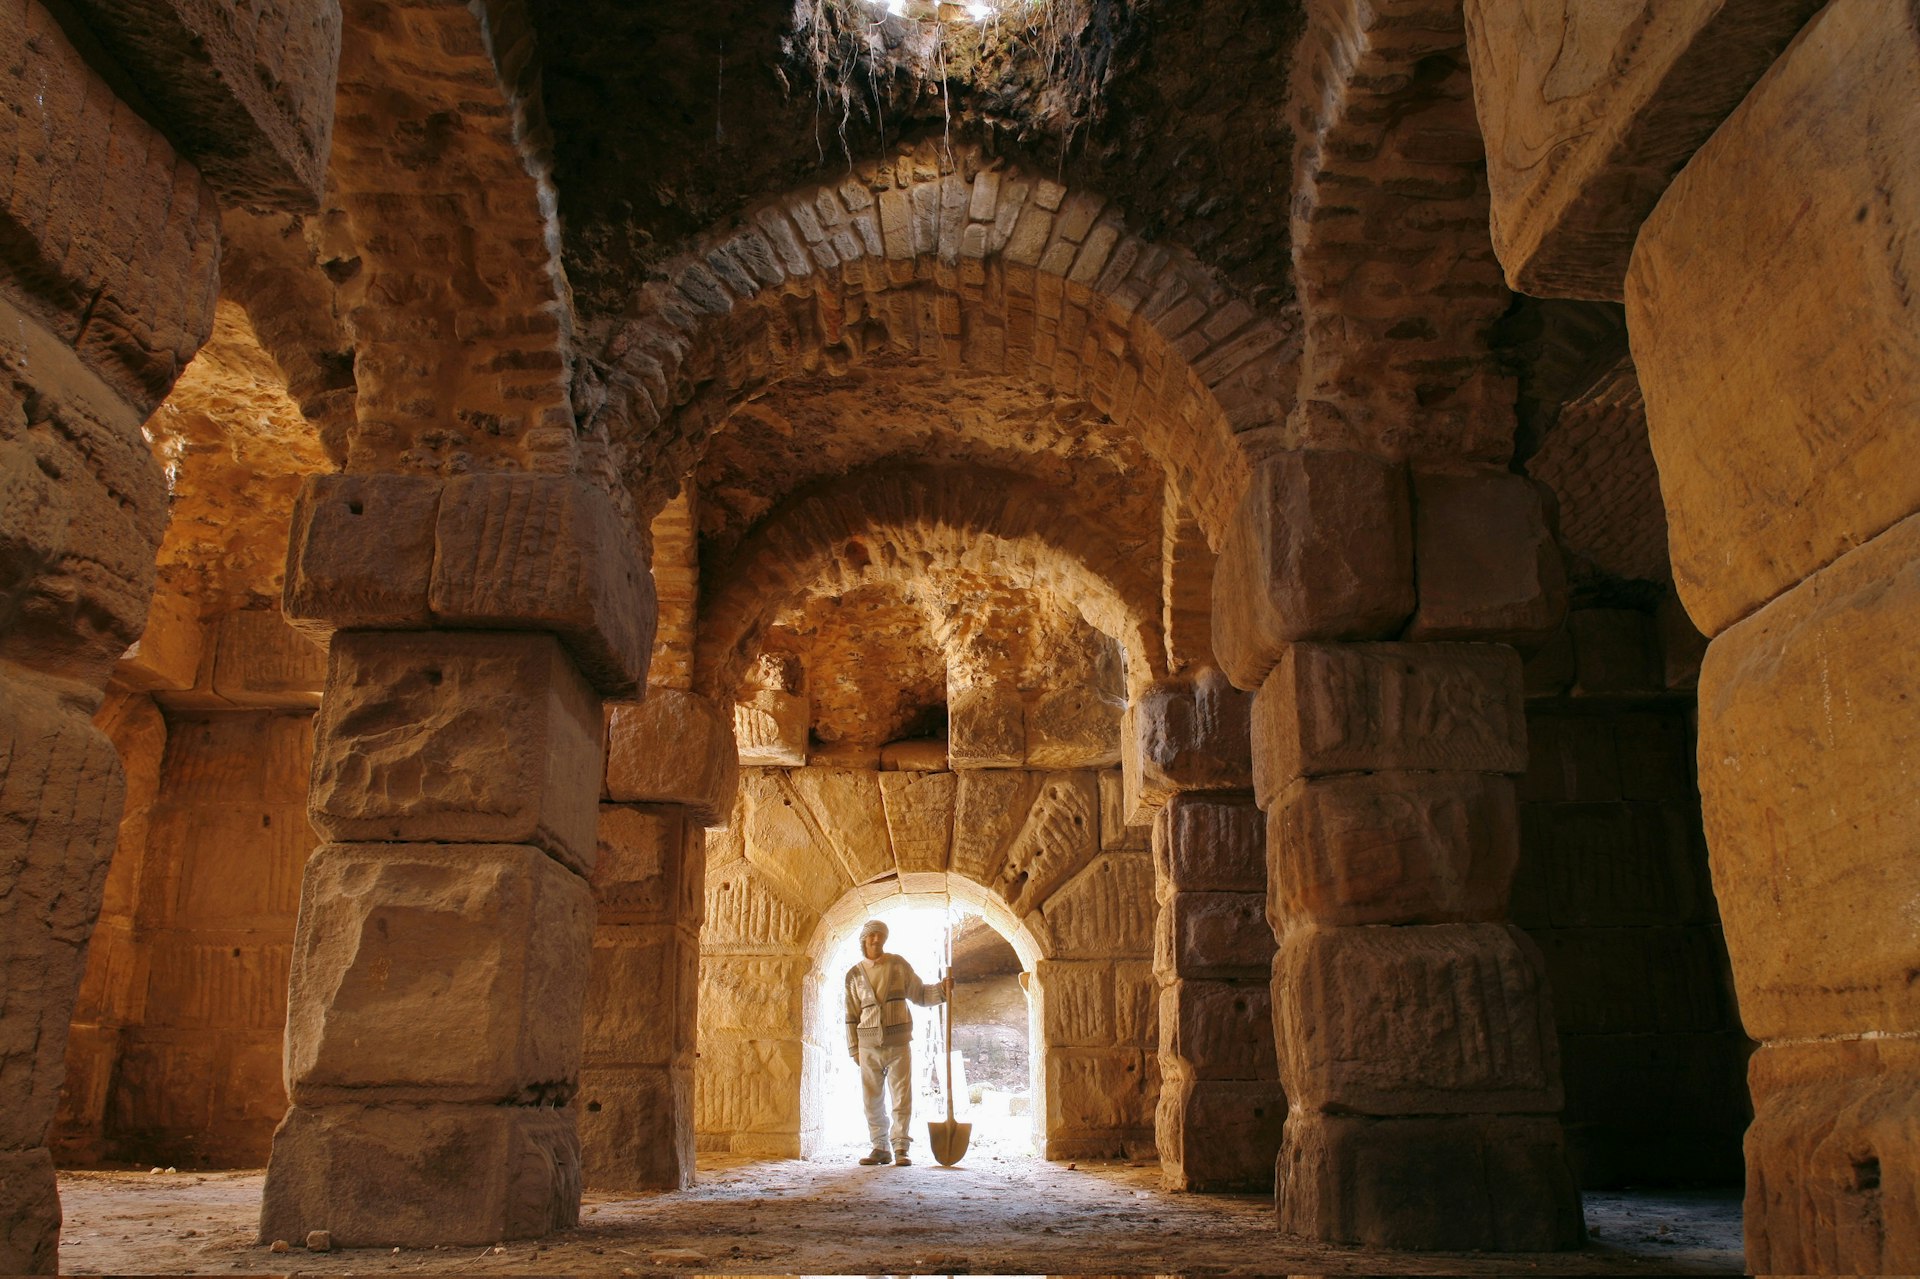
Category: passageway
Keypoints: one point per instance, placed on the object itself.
(819, 1217)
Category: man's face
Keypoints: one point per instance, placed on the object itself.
(872, 944)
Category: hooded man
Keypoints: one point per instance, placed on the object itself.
(880, 1038)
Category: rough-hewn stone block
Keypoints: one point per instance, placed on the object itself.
(1320, 548)
(457, 737)
(1218, 1134)
(1588, 114)
(1343, 708)
(167, 654)
(1185, 736)
(112, 239)
(1116, 832)
(1445, 1019)
(986, 727)
(1209, 844)
(29, 1213)
(250, 98)
(1615, 652)
(1076, 1003)
(1074, 727)
(1108, 1092)
(437, 973)
(1615, 864)
(1392, 848)
(649, 866)
(521, 552)
(61, 789)
(919, 809)
(1218, 1029)
(260, 662)
(636, 1127)
(850, 812)
(360, 552)
(406, 1175)
(1833, 1159)
(1613, 980)
(1493, 1183)
(1779, 402)
(1486, 565)
(1106, 911)
(1813, 825)
(673, 748)
(770, 730)
(747, 1088)
(1212, 936)
(642, 996)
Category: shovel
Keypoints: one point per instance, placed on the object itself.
(949, 1140)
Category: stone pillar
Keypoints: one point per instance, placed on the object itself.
(671, 766)
(1781, 407)
(1187, 754)
(441, 955)
(1414, 1036)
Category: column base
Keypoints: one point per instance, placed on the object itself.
(418, 1174)
(636, 1127)
(1453, 1183)
(1218, 1135)
(29, 1214)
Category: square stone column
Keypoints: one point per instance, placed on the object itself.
(1415, 1036)
(442, 952)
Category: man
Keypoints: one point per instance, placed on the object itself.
(880, 1038)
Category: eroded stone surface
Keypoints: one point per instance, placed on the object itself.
(672, 748)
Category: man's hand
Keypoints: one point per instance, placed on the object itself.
(946, 986)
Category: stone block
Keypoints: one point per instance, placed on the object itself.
(1116, 833)
(642, 996)
(360, 552)
(1076, 1003)
(1136, 1004)
(1218, 1134)
(1320, 548)
(649, 866)
(251, 102)
(1682, 646)
(1392, 848)
(1343, 708)
(1074, 727)
(76, 551)
(420, 1175)
(113, 237)
(522, 552)
(914, 755)
(1209, 844)
(1620, 980)
(748, 911)
(1212, 936)
(1656, 755)
(1449, 1183)
(1185, 735)
(1812, 825)
(919, 809)
(1218, 1029)
(674, 747)
(1104, 912)
(261, 663)
(29, 1213)
(1571, 758)
(755, 996)
(1486, 564)
(1589, 114)
(636, 1128)
(850, 812)
(167, 654)
(1615, 652)
(1056, 840)
(1778, 402)
(770, 730)
(1446, 1019)
(61, 789)
(986, 727)
(1102, 1092)
(990, 806)
(1833, 1158)
(451, 973)
(457, 737)
(1616, 864)
(748, 1088)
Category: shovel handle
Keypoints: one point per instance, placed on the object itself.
(946, 1016)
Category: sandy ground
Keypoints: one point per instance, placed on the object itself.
(993, 1214)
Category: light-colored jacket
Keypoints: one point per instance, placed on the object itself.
(877, 1013)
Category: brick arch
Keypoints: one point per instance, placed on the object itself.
(970, 261)
(895, 524)
(811, 851)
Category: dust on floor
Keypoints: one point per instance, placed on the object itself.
(994, 1214)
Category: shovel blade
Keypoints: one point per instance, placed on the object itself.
(949, 1140)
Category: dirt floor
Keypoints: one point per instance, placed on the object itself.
(993, 1214)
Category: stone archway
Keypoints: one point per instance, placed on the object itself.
(811, 849)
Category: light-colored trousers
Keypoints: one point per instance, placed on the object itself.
(887, 1069)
